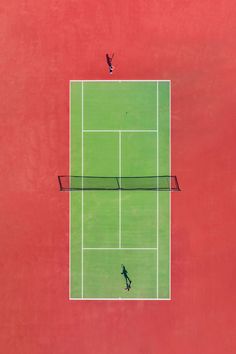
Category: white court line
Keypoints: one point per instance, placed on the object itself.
(119, 249)
(118, 131)
(121, 80)
(157, 147)
(70, 193)
(120, 189)
(169, 192)
(82, 199)
(120, 299)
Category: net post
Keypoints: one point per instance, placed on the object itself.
(60, 184)
(177, 184)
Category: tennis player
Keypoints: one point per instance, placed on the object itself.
(109, 62)
(128, 281)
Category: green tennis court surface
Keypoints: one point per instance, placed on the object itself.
(119, 128)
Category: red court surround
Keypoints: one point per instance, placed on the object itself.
(44, 44)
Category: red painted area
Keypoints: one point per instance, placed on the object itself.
(43, 45)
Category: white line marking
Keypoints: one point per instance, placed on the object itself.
(119, 299)
(69, 193)
(120, 189)
(118, 131)
(169, 192)
(119, 249)
(82, 198)
(157, 192)
(120, 80)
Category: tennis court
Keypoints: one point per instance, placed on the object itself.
(119, 128)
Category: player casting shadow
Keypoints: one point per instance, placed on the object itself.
(127, 279)
(109, 62)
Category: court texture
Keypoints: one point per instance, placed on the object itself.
(119, 128)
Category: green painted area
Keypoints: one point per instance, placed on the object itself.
(101, 221)
(139, 219)
(139, 154)
(102, 278)
(164, 197)
(114, 219)
(120, 105)
(101, 154)
(75, 198)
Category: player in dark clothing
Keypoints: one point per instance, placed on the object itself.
(127, 279)
(109, 62)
